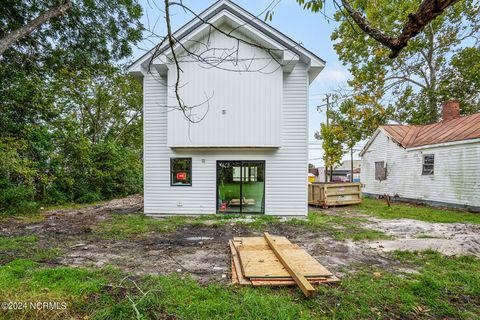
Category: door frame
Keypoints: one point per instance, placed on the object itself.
(241, 182)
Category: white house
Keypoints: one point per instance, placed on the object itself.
(437, 163)
(242, 146)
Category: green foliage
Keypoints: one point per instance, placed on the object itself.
(463, 79)
(380, 209)
(332, 137)
(411, 87)
(89, 149)
(71, 120)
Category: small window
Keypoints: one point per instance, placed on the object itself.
(380, 171)
(181, 171)
(428, 164)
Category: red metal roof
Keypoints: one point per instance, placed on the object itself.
(459, 129)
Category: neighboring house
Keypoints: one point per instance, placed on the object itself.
(249, 154)
(340, 174)
(437, 163)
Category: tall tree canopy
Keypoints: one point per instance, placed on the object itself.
(356, 12)
(70, 125)
(414, 84)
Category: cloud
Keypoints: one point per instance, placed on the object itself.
(333, 76)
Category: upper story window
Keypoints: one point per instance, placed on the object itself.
(428, 164)
(181, 171)
(380, 171)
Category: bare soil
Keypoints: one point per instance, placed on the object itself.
(201, 250)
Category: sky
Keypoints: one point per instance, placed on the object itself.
(311, 30)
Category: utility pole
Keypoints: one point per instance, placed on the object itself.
(328, 125)
(327, 105)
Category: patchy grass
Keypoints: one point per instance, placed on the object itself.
(340, 228)
(121, 226)
(133, 225)
(444, 287)
(24, 247)
(380, 209)
(16, 243)
(423, 235)
(73, 205)
(32, 217)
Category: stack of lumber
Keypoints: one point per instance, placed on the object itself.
(275, 261)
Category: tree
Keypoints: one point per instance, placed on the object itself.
(348, 117)
(462, 80)
(417, 19)
(71, 126)
(28, 28)
(99, 104)
(332, 137)
(410, 84)
(98, 30)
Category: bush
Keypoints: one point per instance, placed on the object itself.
(16, 199)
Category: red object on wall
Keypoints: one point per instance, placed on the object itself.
(223, 206)
(181, 176)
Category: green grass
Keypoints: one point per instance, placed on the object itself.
(16, 243)
(445, 287)
(121, 226)
(340, 228)
(139, 225)
(24, 247)
(31, 217)
(380, 209)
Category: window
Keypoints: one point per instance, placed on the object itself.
(428, 164)
(380, 171)
(181, 171)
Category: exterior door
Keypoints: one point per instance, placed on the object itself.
(240, 186)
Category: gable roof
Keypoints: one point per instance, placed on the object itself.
(231, 12)
(463, 128)
(412, 136)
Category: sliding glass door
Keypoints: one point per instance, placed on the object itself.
(240, 186)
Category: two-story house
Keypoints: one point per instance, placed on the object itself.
(242, 146)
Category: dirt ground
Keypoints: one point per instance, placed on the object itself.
(201, 250)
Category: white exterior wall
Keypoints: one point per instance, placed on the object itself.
(240, 108)
(285, 167)
(456, 178)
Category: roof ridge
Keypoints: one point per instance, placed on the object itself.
(462, 128)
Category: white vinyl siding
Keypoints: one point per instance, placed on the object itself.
(239, 101)
(285, 167)
(456, 177)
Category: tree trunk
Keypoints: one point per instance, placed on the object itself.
(427, 11)
(24, 31)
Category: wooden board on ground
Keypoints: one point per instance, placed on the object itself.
(260, 240)
(290, 282)
(292, 267)
(236, 266)
(256, 262)
(234, 272)
(264, 263)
